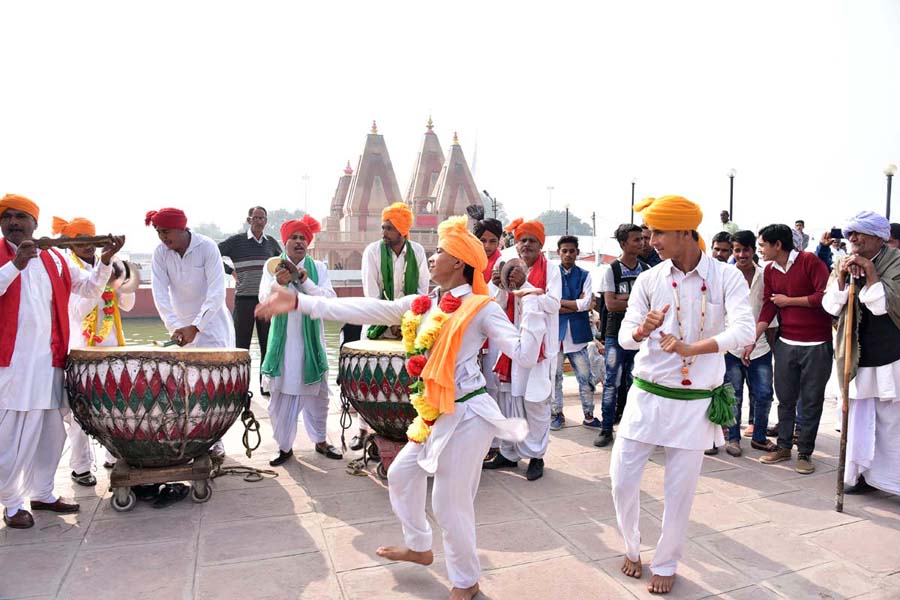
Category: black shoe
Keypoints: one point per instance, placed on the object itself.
(86, 479)
(861, 487)
(535, 469)
(281, 458)
(711, 451)
(499, 462)
(772, 431)
(358, 441)
(604, 439)
(329, 451)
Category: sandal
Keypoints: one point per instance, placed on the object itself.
(170, 494)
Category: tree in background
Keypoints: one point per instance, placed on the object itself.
(555, 223)
(276, 218)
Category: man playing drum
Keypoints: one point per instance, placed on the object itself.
(34, 296)
(443, 335)
(92, 322)
(189, 286)
(296, 362)
(392, 268)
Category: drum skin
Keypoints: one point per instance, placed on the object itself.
(157, 407)
(374, 380)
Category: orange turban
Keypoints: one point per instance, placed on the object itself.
(306, 225)
(75, 227)
(520, 227)
(400, 217)
(19, 203)
(671, 213)
(456, 240)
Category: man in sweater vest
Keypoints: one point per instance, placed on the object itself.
(34, 308)
(793, 285)
(574, 333)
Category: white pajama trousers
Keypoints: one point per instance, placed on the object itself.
(537, 414)
(284, 410)
(452, 497)
(81, 458)
(682, 472)
(32, 445)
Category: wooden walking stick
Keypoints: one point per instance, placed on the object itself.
(845, 392)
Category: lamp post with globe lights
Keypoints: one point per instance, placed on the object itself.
(889, 172)
(731, 175)
(633, 181)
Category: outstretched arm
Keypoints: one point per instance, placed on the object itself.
(357, 311)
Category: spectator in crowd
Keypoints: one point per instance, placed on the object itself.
(727, 224)
(823, 249)
(721, 246)
(799, 226)
(648, 253)
(836, 252)
(616, 287)
(249, 253)
(596, 352)
(894, 241)
(794, 283)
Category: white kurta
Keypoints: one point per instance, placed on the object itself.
(874, 418)
(458, 441)
(190, 290)
(372, 280)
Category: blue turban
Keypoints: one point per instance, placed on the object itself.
(868, 222)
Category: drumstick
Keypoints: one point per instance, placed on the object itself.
(165, 344)
(97, 240)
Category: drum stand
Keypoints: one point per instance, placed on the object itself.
(124, 477)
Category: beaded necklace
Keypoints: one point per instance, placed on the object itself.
(686, 363)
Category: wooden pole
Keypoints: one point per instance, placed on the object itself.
(845, 392)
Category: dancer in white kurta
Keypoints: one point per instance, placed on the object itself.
(458, 440)
(298, 382)
(682, 315)
(873, 432)
(92, 322)
(34, 294)
(526, 392)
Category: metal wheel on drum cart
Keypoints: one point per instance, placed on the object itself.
(123, 499)
(201, 491)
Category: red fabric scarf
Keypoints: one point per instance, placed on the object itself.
(537, 277)
(9, 307)
(488, 271)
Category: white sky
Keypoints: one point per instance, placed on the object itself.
(109, 109)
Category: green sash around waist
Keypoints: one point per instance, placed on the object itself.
(721, 408)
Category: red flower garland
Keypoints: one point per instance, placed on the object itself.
(415, 365)
(421, 305)
(449, 303)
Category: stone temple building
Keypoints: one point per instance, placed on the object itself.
(438, 188)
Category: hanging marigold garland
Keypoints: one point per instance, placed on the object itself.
(89, 331)
(416, 344)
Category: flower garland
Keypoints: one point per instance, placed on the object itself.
(416, 343)
(89, 330)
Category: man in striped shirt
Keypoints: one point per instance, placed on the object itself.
(249, 253)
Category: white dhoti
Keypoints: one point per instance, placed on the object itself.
(872, 444)
(81, 456)
(284, 409)
(537, 415)
(682, 473)
(29, 454)
(452, 497)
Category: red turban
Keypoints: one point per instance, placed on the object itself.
(166, 218)
(19, 203)
(75, 227)
(520, 227)
(306, 225)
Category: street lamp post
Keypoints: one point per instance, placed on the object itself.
(493, 202)
(593, 233)
(633, 181)
(889, 172)
(731, 175)
(550, 189)
(567, 219)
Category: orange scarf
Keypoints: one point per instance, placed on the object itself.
(440, 370)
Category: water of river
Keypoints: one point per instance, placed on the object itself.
(145, 331)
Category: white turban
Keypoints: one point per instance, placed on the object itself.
(868, 222)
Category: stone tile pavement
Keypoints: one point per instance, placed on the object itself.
(756, 532)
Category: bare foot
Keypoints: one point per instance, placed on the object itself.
(632, 568)
(405, 554)
(464, 594)
(661, 584)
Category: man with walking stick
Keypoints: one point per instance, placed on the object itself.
(870, 374)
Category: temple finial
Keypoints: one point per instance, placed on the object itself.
(374, 128)
(348, 170)
(430, 124)
(455, 139)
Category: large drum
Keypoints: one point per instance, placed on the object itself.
(157, 407)
(374, 380)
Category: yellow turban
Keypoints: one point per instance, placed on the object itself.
(520, 227)
(19, 203)
(671, 213)
(455, 239)
(75, 227)
(399, 215)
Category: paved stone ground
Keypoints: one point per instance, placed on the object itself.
(756, 532)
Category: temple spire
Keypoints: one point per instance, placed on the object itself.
(374, 128)
(430, 124)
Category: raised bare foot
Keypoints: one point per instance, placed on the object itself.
(632, 568)
(661, 584)
(405, 554)
(464, 594)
